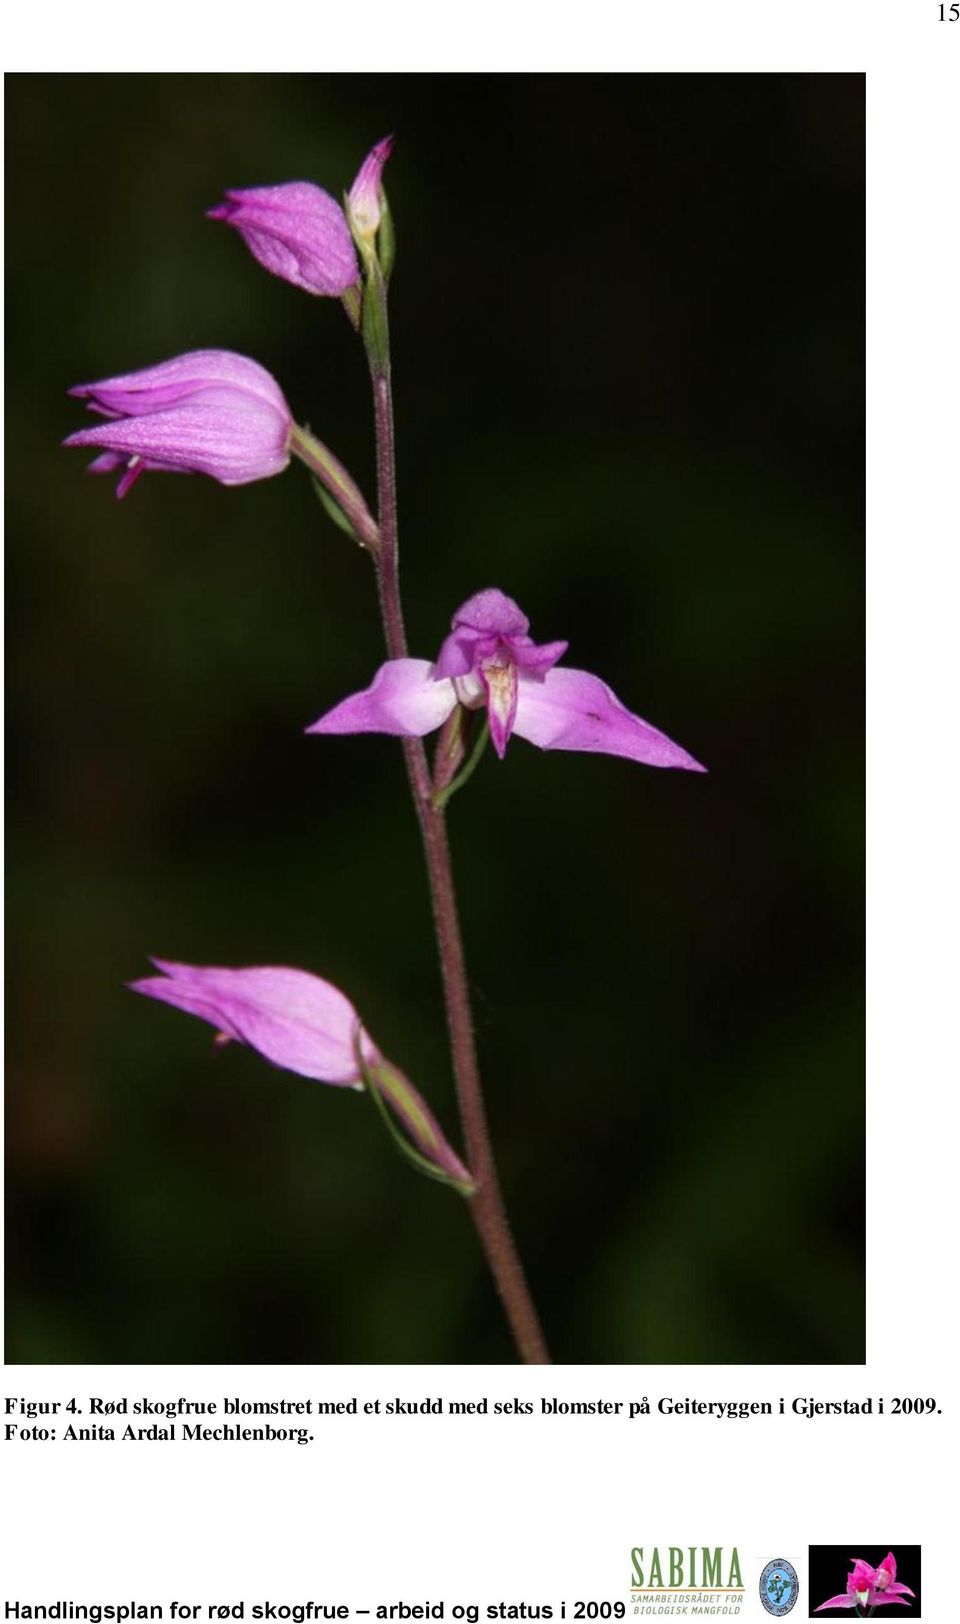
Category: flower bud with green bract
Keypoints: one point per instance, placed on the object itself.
(301, 1023)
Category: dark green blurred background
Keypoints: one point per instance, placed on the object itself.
(627, 322)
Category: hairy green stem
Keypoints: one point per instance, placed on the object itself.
(486, 1204)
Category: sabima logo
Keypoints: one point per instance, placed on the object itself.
(685, 1567)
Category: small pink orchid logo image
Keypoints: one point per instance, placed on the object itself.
(869, 1587)
(207, 412)
(489, 661)
(304, 1024)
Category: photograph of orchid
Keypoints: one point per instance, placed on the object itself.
(495, 767)
(215, 413)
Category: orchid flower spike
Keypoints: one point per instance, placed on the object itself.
(868, 1587)
(490, 660)
(303, 1024)
(208, 412)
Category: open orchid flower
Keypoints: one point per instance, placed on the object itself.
(207, 412)
(490, 660)
(869, 1587)
(305, 1025)
(299, 232)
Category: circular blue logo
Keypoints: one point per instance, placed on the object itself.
(779, 1587)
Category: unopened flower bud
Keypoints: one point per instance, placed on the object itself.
(365, 200)
(296, 230)
(304, 1024)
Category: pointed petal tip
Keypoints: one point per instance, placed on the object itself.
(680, 761)
(684, 761)
(148, 984)
(144, 984)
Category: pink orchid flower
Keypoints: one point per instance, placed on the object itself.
(869, 1587)
(208, 412)
(302, 1024)
(299, 232)
(490, 660)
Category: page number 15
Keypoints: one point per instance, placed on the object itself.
(950, 14)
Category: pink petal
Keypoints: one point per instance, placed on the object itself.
(181, 376)
(889, 1564)
(296, 231)
(861, 1575)
(231, 436)
(107, 463)
(537, 658)
(458, 653)
(295, 1020)
(883, 1598)
(477, 627)
(845, 1600)
(492, 612)
(402, 699)
(573, 710)
(135, 467)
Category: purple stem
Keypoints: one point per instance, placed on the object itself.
(486, 1204)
